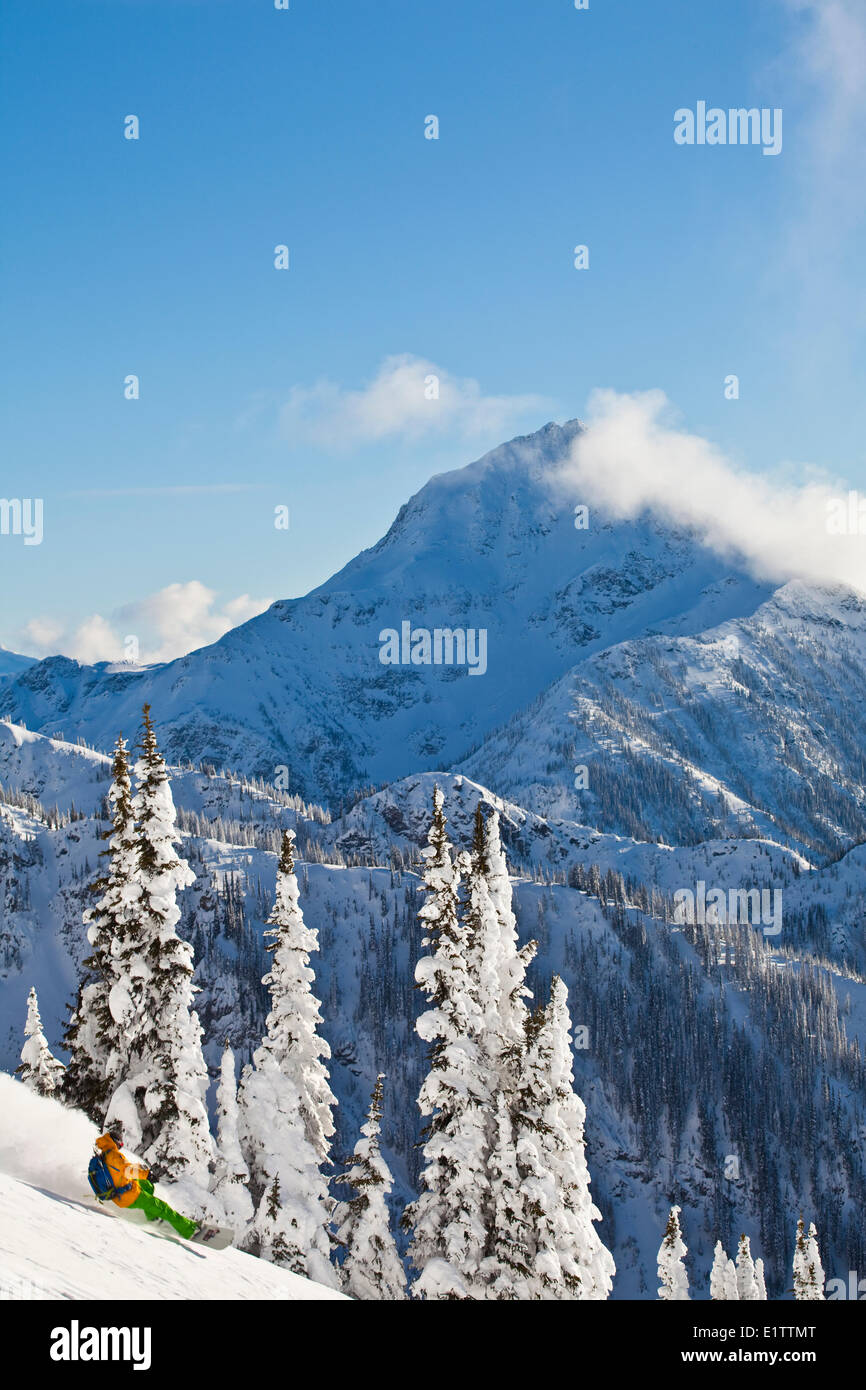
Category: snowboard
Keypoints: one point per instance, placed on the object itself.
(209, 1235)
(214, 1237)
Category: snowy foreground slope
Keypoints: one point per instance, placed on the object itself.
(56, 1243)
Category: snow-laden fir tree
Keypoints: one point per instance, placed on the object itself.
(497, 972)
(485, 949)
(372, 1268)
(271, 1242)
(673, 1279)
(585, 1255)
(232, 1176)
(567, 1259)
(448, 1220)
(285, 1100)
(723, 1275)
(760, 1281)
(808, 1270)
(39, 1069)
(160, 1101)
(513, 962)
(507, 1266)
(747, 1280)
(95, 1037)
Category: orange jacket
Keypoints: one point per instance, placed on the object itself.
(121, 1170)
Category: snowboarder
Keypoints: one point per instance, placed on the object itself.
(131, 1187)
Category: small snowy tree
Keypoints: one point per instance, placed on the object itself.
(285, 1100)
(448, 1220)
(231, 1184)
(673, 1279)
(587, 1264)
(39, 1069)
(160, 1101)
(717, 1273)
(760, 1281)
(747, 1282)
(372, 1268)
(95, 1037)
(723, 1276)
(808, 1270)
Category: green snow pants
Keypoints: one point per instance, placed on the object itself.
(156, 1210)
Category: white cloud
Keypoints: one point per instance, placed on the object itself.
(821, 73)
(400, 402)
(633, 457)
(828, 53)
(167, 624)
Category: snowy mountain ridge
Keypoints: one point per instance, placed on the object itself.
(490, 547)
(753, 727)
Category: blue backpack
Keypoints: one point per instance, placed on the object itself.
(100, 1179)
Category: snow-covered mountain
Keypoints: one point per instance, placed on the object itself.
(718, 727)
(756, 727)
(13, 663)
(492, 546)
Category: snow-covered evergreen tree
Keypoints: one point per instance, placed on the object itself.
(808, 1270)
(513, 962)
(232, 1176)
(285, 1100)
(272, 1243)
(372, 1268)
(568, 1259)
(484, 948)
(448, 1220)
(747, 1282)
(717, 1273)
(96, 1037)
(39, 1069)
(507, 1267)
(673, 1279)
(723, 1275)
(760, 1281)
(160, 1100)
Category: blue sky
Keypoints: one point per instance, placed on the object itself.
(408, 256)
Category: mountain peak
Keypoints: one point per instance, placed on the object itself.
(489, 552)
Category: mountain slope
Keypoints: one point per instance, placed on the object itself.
(755, 727)
(12, 663)
(491, 546)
